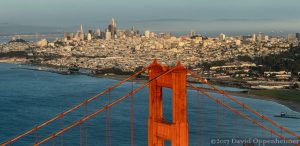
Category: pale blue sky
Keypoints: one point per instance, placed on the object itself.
(157, 15)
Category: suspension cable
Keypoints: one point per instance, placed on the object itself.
(217, 120)
(242, 104)
(80, 134)
(241, 114)
(102, 109)
(72, 109)
(36, 135)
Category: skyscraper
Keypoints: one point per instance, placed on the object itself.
(222, 37)
(266, 38)
(113, 23)
(108, 35)
(254, 37)
(89, 37)
(91, 32)
(81, 28)
(98, 33)
(147, 34)
(80, 34)
(261, 37)
(113, 28)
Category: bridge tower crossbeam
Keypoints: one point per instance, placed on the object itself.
(159, 130)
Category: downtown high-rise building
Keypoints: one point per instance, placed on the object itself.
(112, 28)
(253, 37)
(89, 36)
(222, 37)
(81, 28)
(261, 37)
(108, 35)
(266, 38)
(80, 33)
(98, 33)
(147, 34)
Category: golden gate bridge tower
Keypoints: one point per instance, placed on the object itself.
(160, 130)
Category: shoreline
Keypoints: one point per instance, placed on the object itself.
(295, 106)
(290, 104)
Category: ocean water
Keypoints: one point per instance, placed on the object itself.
(28, 98)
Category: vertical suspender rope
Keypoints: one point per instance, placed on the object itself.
(107, 123)
(244, 122)
(53, 141)
(102, 104)
(217, 121)
(131, 117)
(223, 117)
(198, 128)
(271, 137)
(109, 119)
(80, 134)
(203, 120)
(61, 127)
(86, 124)
(262, 130)
(281, 132)
(36, 135)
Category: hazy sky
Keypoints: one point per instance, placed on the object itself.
(157, 15)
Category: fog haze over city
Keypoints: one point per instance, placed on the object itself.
(205, 16)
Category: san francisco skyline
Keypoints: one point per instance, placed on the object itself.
(231, 16)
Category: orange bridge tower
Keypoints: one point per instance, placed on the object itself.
(159, 130)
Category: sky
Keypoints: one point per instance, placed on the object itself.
(157, 15)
